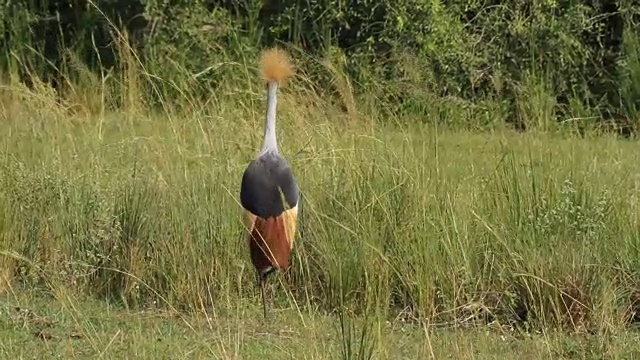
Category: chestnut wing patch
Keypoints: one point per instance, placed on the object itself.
(271, 240)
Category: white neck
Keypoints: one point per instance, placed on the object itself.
(270, 143)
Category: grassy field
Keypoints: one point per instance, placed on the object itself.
(36, 327)
(120, 235)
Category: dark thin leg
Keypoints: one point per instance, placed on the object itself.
(261, 282)
(264, 298)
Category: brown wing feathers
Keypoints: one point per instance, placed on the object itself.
(271, 240)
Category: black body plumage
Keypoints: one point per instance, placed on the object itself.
(266, 181)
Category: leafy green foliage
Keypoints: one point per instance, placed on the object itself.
(415, 56)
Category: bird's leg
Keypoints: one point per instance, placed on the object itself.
(261, 283)
(264, 300)
(261, 280)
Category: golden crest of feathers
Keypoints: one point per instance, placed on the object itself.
(275, 65)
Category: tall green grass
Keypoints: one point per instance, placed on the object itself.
(413, 222)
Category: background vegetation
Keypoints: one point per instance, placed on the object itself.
(127, 125)
(476, 61)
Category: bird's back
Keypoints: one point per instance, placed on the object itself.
(267, 181)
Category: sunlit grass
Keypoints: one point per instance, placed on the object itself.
(404, 229)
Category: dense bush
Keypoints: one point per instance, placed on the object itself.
(510, 59)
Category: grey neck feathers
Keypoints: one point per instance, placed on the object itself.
(270, 143)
